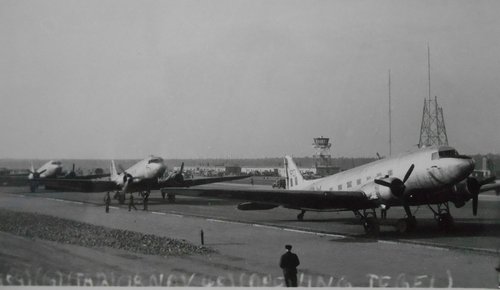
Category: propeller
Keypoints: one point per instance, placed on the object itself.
(396, 185)
(474, 187)
(37, 174)
(127, 179)
(177, 176)
(72, 173)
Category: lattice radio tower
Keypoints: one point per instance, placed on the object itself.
(432, 130)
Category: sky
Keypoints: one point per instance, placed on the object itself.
(243, 78)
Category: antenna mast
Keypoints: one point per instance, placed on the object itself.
(429, 68)
(390, 127)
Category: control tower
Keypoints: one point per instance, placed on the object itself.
(323, 158)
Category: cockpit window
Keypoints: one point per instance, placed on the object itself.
(155, 160)
(56, 162)
(448, 153)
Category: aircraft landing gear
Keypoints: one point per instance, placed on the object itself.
(443, 217)
(171, 197)
(370, 222)
(120, 196)
(406, 225)
(300, 216)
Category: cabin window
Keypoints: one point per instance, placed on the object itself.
(156, 160)
(368, 177)
(340, 187)
(389, 172)
(379, 174)
(358, 182)
(349, 184)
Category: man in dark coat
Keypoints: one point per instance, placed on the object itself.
(107, 201)
(131, 203)
(289, 262)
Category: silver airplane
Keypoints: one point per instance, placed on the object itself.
(433, 176)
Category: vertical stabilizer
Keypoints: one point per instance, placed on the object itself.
(112, 170)
(294, 178)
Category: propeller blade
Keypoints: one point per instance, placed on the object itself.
(408, 173)
(182, 168)
(474, 204)
(382, 182)
(39, 173)
(73, 169)
(121, 168)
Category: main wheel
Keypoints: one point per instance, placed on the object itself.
(372, 227)
(171, 197)
(445, 221)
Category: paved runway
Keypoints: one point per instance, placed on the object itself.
(328, 244)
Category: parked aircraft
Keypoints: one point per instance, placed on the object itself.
(432, 176)
(34, 178)
(142, 177)
(48, 170)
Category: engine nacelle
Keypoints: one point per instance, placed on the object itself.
(255, 206)
(375, 191)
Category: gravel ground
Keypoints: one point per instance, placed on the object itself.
(39, 226)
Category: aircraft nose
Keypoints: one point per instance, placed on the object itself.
(467, 165)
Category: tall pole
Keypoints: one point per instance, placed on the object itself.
(390, 124)
(429, 68)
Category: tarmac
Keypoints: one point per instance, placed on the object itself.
(247, 252)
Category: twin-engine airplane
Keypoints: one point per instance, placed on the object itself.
(50, 169)
(429, 176)
(142, 177)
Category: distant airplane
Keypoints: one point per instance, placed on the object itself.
(34, 178)
(48, 170)
(429, 176)
(142, 177)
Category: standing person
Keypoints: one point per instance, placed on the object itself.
(289, 262)
(131, 202)
(107, 201)
(251, 181)
(145, 200)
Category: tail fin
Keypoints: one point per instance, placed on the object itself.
(112, 171)
(294, 178)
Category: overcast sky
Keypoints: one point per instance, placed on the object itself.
(191, 79)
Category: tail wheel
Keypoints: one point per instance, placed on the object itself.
(171, 197)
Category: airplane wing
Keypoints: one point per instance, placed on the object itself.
(80, 185)
(198, 181)
(14, 180)
(495, 185)
(298, 199)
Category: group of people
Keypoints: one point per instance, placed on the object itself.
(131, 204)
